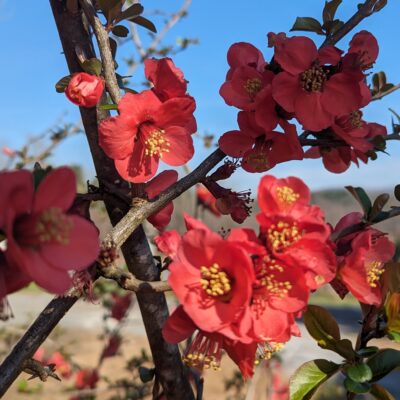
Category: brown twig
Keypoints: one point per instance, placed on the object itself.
(364, 11)
(136, 215)
(153, 306)
(126, 280)
(105, 50)
(381, 95)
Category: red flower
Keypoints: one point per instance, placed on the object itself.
(261, 151)
(207, 200)
(244, 54)
(168, 80)
(112, 347)
(120, 305)
(308, 88)
(362, 53)
(212, 279)
(153, 188)
(147, 131)
(86, 379)
(205, 350)
(85, 90)
(42, 240)
(168, 242)
(12, 278)
(280, 290)
(356, 135)
(282, 196)
(296, 234)
(63, 367)
(361, 270)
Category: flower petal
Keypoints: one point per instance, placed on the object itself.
(58, 189)
(81, 250)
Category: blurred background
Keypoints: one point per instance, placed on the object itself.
(106, 334)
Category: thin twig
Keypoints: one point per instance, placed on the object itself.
(126, 280)
(364, 11)
(381, 95)
(136, 215)
(105, 50)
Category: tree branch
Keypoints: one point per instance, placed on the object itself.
(380, 96)
(153, 306)
(37, 333)
(105, 50)
(364, 11)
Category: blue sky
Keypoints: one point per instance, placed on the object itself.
(32, 62)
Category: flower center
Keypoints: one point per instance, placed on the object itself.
(283, 234)
(156, 144)
(267, 278)
(313, 79)
(53, 226)
(374, 272)
(266, 350)
(355, 119)
(286, 195)
(214, 281)
(204, 353)
(253, 86)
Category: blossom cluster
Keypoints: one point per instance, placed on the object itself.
(156, 124)
(323, 90)
(40, 241)
(242, 292)
(361, 261)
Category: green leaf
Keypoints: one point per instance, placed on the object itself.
(378, 205)
(332, 26)
(361, 196)
(381, 393)
(120, 31)
(320, 324)
(397, 192)
(367, 351)
(383, 362)
(111, 9)
(395, 336)
(62, 84)
(356, 387)
(146, 374)
(108, 106)
(92, 66)
(307, 24)
(128, 90)
(308, 377)
(328, 14)
(131, 12)
(142, 21)
(359, 373)
(39, 174)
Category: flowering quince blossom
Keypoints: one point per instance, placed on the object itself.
(85, 90)
(295, 232)
(231, 289)
(356, 135)
(151, 126)
(207, 200)
(43, 242)
(212, 278)
(362, 262)
(153, 188)
(308, 87)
